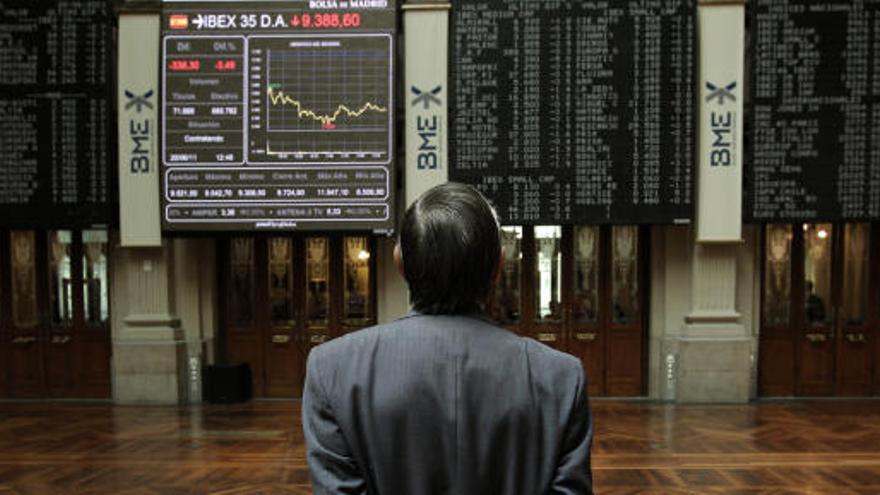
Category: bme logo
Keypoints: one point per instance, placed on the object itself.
(720, 93)
(428, 128)
(426, 97)
(139, 102)
(140, 132)
(722, 125)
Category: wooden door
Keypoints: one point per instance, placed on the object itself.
(286, 295)
(55, 314)
(284, 344)
(835, 341)
(243, 308)
(817, 333)
(815, 294)
(582, 291)
(587, 297)
(625, 341)
(776, 357)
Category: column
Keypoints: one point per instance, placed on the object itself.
(714, 352)
(149, 348)
(426, 27)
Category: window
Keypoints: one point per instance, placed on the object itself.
(281, 301)
(586, 274)
(60, 278)
(317, 278)
(241, 297)
(817, 273)
(548, 273)
(96, 290)
(854, 300)
(777, 275)
(507, 293)
(625, 274)
(357, 301)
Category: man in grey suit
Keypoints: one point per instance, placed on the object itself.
(442, 401)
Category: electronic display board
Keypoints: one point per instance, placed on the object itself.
(278, 115)
(576, 112)
(56, 169)
(814, 130)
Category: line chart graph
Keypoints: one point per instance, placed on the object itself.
(328, 121)
(320, 99)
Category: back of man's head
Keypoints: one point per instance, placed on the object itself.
(450, 245)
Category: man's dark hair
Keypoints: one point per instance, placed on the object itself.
(450, 245)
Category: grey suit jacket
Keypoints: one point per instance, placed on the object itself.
(445, 405)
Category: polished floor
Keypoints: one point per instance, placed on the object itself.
(257, 448)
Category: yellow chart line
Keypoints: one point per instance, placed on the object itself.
(278, 97)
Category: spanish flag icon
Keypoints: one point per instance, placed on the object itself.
(178, 22)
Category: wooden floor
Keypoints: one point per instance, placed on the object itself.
(257, 448)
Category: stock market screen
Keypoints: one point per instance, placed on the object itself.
(56, 159)
(815, 104)
(575, 112)
(278, 116)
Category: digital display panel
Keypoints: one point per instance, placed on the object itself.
(814, 130)
(56, 136)
(575, 112)
(278, 115)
